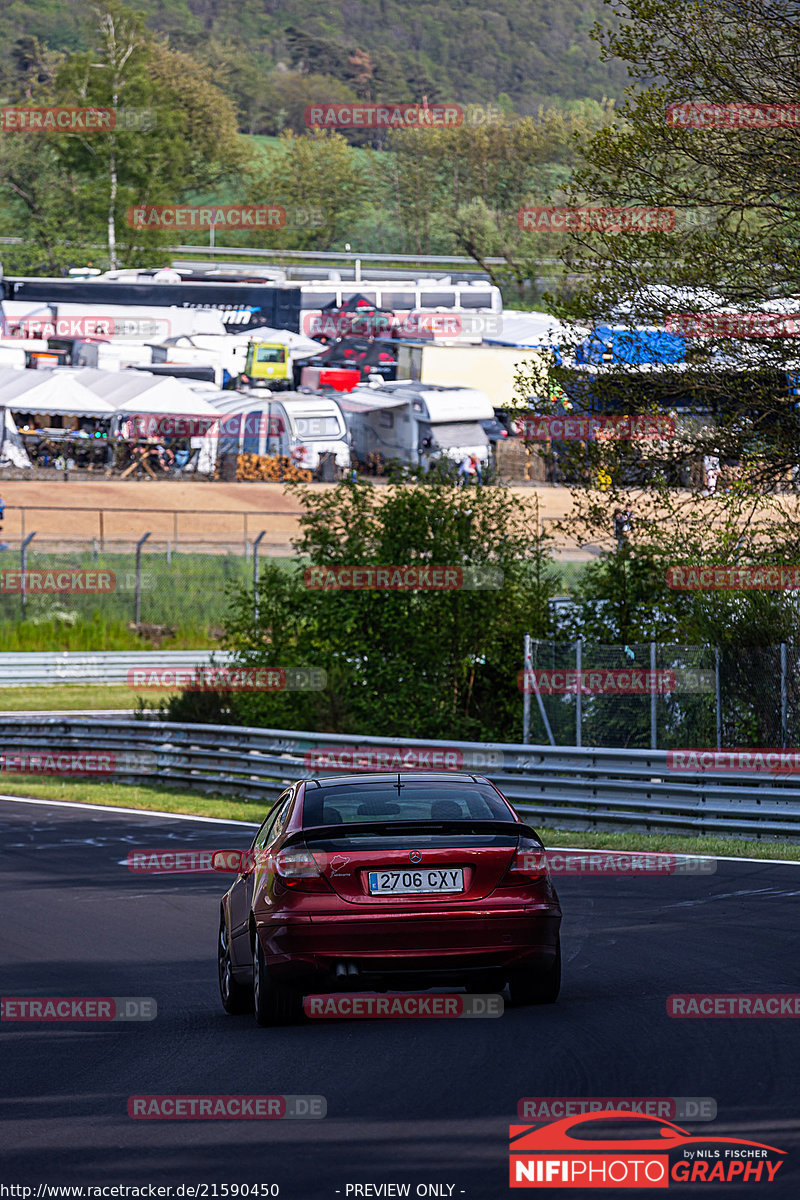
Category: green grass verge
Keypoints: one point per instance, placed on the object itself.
(189, 597)
(174, 800)
(75, 697)
(669, 844)
(123, 795)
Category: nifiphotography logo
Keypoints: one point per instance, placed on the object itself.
(624, 1149)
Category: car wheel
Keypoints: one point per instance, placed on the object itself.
(236, 997)
(273, 1003)
(527, 985)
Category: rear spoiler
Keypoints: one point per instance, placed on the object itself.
(319, 832)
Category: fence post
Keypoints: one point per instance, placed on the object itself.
(718, 698)
(653, 699)
(529, 681)
(784, 732)
(23, 563)
(256, 542)
(526, 696)
(579, 696)
(138, 597)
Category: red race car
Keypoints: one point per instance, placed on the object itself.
(387, 881)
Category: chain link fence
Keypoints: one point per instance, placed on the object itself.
(155, 587)
(656, 696)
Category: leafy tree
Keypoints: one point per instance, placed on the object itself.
(414, 664)
(320, 175)
(294, 92)
(70, 188)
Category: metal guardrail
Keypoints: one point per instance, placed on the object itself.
(334, 255)
(623, 790)
(34, 668)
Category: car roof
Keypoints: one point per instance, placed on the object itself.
(396, 777)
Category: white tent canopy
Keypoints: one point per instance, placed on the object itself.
(48, 391)
(141, 392)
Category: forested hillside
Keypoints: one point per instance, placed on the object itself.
(268, 54)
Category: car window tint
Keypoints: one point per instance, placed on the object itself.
(346, 804)
(280, 823)
(265, 834)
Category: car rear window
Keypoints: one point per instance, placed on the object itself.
(356, 804)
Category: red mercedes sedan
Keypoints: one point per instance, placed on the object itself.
(388, 881)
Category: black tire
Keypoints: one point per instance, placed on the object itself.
(273, 1003)
(527, 985)
(236, 997)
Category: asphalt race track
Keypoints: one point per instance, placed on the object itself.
(408, 1101)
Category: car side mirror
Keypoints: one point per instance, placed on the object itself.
(228, 860)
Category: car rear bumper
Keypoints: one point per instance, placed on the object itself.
(473, 940)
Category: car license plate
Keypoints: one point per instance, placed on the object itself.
(418, 880)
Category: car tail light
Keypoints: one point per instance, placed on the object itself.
(528, 864)
(296, 868)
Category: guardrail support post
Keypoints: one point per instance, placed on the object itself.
(138, 600)
(784, 731)
(256, 543)
(23, 564)
(579, 694)
(653, 700)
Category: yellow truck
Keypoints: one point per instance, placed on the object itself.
(267, 365)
